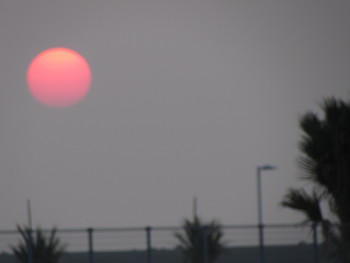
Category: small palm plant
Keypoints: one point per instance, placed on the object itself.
(40, 249)
(199, 240)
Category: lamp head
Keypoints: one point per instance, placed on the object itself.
(267, 167)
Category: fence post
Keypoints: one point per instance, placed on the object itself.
(30, 245)
(91, 245)
(315, 241)
(205, 244)
(149, 244)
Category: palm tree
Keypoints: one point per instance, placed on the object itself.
(41, 249)
(199, 240)
(325, 161)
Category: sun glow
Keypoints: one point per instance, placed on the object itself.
(59, 77)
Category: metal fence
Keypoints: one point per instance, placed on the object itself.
(281, 243)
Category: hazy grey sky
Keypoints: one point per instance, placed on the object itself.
(187, 98)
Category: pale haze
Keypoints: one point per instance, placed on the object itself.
(188, 97)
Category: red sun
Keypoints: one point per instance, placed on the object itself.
(59, 77)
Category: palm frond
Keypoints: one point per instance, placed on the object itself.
(44, 248)
(309, 205)
(196, 236)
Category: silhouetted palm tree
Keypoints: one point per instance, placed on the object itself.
(199, 240)
(325, 161)
(42, 248)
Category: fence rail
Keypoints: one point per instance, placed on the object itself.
(282, 243)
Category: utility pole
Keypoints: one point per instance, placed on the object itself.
(29, 233)
(29, 214)
(194, 207)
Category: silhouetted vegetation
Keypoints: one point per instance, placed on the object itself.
(325, 162)
(38, 246)
(200, 240)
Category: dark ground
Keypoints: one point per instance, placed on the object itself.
(277, 254)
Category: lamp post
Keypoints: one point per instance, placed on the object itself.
(259, 169)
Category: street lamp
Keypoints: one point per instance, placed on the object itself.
(259, 169)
